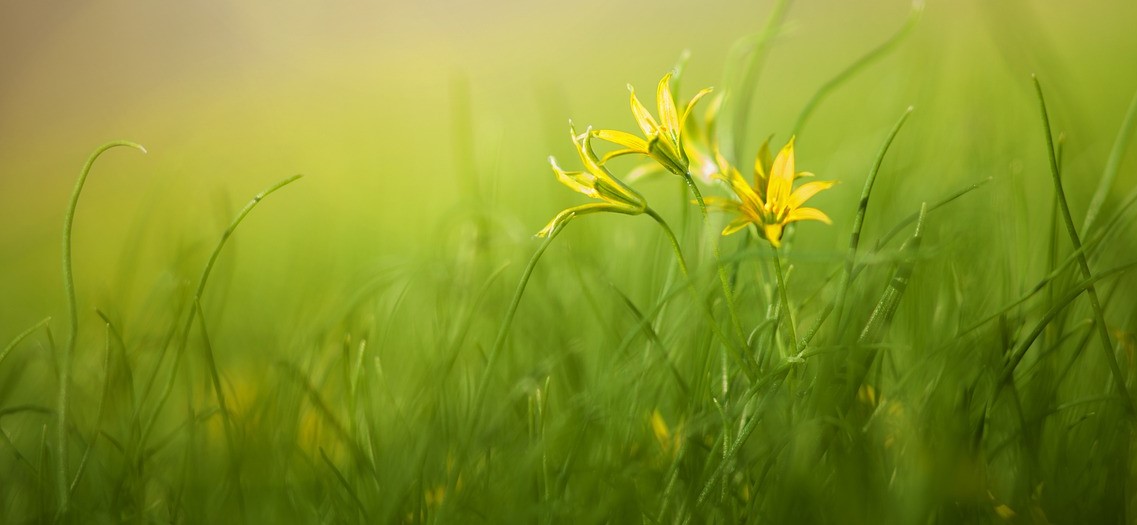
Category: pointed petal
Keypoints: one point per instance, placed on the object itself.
(781, 177)
(743, 190)
(567, 215)
(577, 181)
(721, 203)
(808, 214)
(806, 191)
(736, 225)
(691, 104)
(607, 185)
(621, 138)
(616, 153)
(665, 102)
(643, 117)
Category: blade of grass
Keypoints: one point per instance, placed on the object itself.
(1112, 165)
(750, 70)
(1103, 332)
(23, 335)
(861, 63)
(198, 293)
(73, 322)
(859, 220)
(226, 415)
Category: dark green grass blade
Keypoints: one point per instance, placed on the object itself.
(1103, 332)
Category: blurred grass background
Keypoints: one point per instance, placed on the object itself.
(416, 126)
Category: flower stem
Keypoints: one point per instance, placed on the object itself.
(726, 290)
(789, 316)
(691, 284)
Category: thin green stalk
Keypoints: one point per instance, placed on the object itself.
(1112, 165)
(789, 314)
(20, 338)
(1103, 332)
(503, 331)
(196, 299)
(683, 268)
(723, 277)
(861, 63)
(73, 325)
(750, 72)
(859, 220)
(226, 416)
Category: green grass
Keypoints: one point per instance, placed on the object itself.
(958, 347)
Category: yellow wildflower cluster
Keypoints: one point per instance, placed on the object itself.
(675, 143)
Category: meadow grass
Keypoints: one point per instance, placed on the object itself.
(921, 360)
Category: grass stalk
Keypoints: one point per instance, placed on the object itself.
(786, 311)
(1112, 165)
(1095, 303)
(723, 277)
(861, 63)
(20, 338)
(859, 220)
(511, 311)
(196, 299)
(73, 323)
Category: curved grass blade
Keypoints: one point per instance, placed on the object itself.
(859, 220)
(73, 322)
(1112, 165)
(199, 291)
(23, 335)
(864, 61)
(1103, 332)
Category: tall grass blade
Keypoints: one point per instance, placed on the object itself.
(1103, 332)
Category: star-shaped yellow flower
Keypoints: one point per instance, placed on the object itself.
(663, 139)
(596, 182)
(771, 203)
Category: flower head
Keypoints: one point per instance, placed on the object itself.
(772, 202)
(663, 138)
(596, 182)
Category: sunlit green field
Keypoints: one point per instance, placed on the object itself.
(287, 264)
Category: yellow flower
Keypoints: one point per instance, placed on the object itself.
(668, 442)
(663, 139)
(771, 203)
(596, 182)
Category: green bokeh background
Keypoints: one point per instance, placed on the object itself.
(423, 129)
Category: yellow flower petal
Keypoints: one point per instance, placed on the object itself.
(773, 233)
(781, 176)
(567, 215)
(721, 203)
(577, 181)
(808, 214)
(806, 191)
(665, 101)
(736, 225)
(691, 104)
(621, 138)
(643, 117)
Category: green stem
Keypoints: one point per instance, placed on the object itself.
(73, 326)
(859, 220)
(787, 312)
(503, 331)
(198, 293)
(727, 343)
(1103, 332)
(723, 277)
